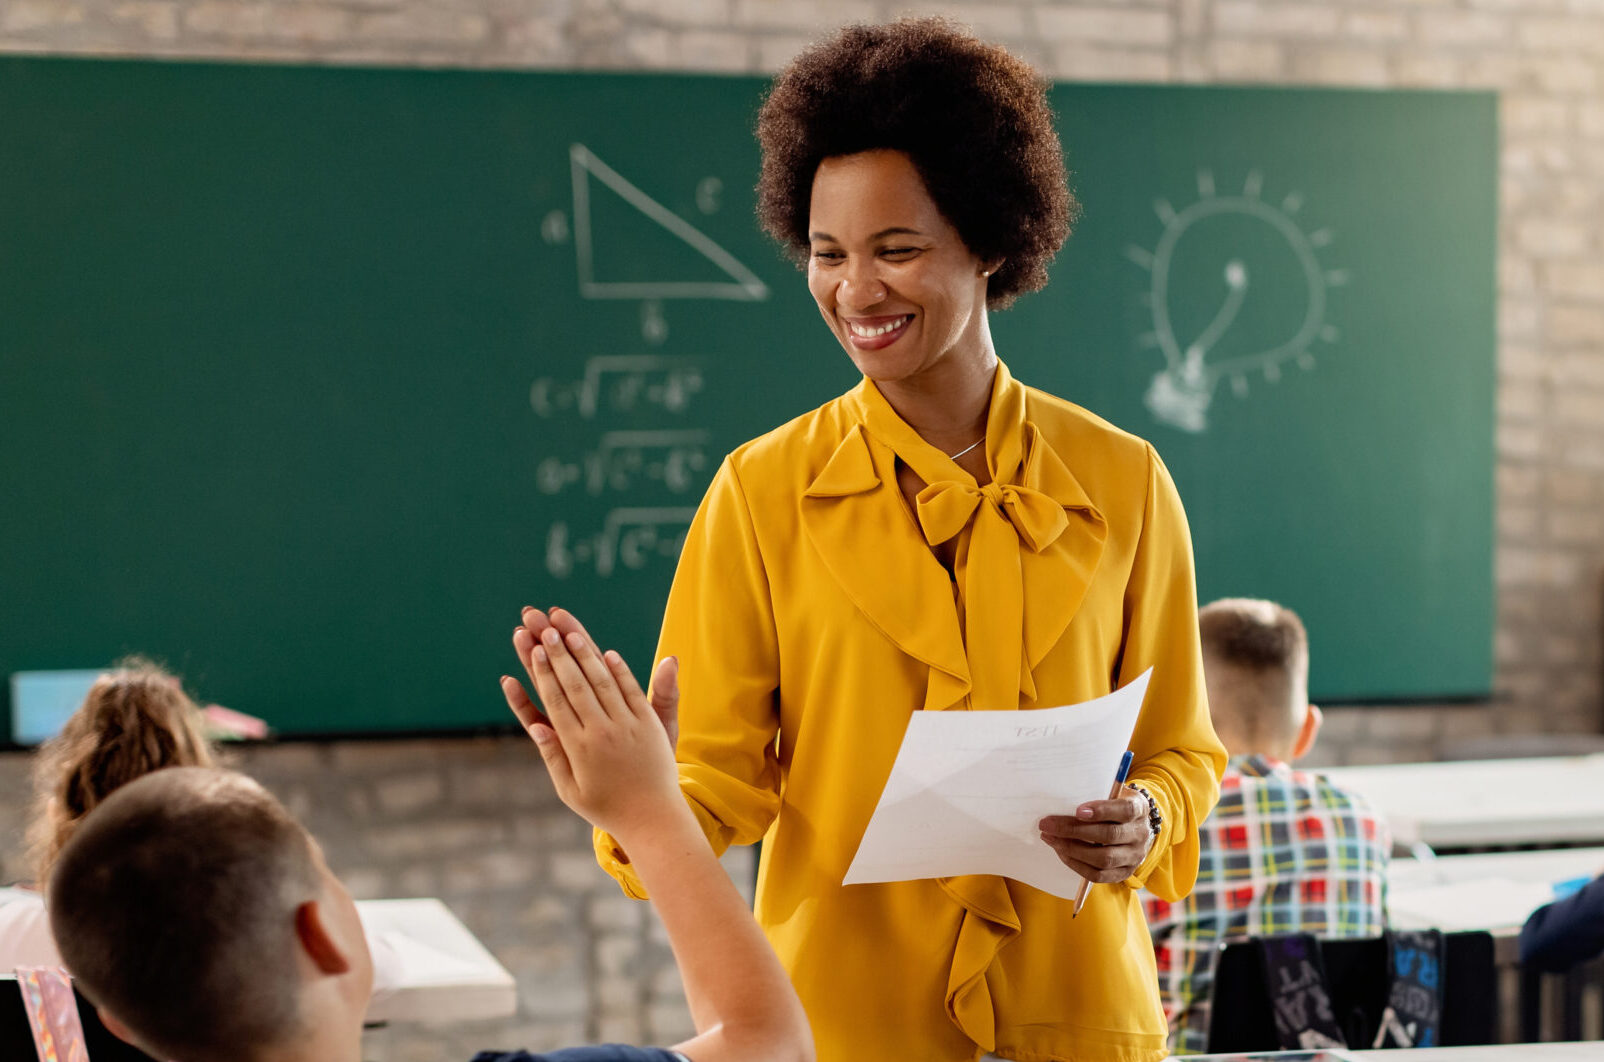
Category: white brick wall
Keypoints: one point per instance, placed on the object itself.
(1124, 26)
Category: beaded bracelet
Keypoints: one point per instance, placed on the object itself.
(1155, 818)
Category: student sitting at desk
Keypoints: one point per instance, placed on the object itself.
(134, 720)
(1561, 934)
(202, 920)
(1284, 851)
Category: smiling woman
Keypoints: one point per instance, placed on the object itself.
(906, 299)
(941, 537)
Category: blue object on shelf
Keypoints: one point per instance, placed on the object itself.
(1565, 888)
(42, 701)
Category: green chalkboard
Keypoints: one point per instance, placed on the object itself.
(310, 377)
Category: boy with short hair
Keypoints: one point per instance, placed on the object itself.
(202, 920)
(1284, 851)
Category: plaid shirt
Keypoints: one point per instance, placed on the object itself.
(1284, 851)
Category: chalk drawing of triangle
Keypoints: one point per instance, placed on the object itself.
(742, 285)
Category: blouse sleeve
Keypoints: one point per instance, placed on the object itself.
(1178, 758)
(720, 623)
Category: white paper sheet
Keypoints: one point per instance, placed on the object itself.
(968, 788)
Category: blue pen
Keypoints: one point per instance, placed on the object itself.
(1114, 794)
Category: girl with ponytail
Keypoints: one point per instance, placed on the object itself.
(134, 720)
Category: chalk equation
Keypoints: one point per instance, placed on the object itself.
(618, 384)
(623, 460)
(629, 540)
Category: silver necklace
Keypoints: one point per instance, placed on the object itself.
(966, 449)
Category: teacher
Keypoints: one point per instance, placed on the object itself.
(940, 538)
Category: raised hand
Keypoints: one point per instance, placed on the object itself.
(599, 736)
(602, 740)
(664, 689)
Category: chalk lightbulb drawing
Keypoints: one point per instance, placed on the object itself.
(1182, 392)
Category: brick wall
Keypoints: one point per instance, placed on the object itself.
(474, 821)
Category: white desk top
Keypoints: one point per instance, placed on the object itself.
(1567, 1052)
(1545, 865)
(1548, 800)
(429, 967)
(1495, 890)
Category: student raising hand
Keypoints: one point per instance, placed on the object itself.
(612, 761)
(663, 692)
(603, 744)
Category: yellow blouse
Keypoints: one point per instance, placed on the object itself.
(810, 617)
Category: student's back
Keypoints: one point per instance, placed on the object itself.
(1284, 851)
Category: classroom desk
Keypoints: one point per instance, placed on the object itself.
(1486, 803)
(427, 965)
(1496, 891)
(1548, 865)
(1566, 1052)
(1491, 890)
(433, 968)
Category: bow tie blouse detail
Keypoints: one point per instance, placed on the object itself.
(1002, 519)
(945, 509)
(1013, 524)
